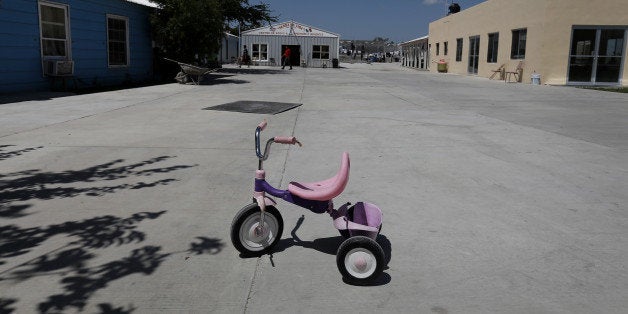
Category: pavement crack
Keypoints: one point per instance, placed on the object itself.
(251, 286)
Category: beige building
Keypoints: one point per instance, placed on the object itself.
(567, 42)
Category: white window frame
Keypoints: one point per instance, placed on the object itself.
(259, 52)
(127, 42)
(320, 52)
(68, 38)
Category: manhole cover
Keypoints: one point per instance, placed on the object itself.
(261, 107)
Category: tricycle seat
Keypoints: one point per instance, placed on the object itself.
(324, 190)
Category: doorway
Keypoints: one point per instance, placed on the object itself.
(295, 54)
(474, 54)
(596, 55)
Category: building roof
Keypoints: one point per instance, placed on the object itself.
(145, 3)
(290, 28)
(415, 40)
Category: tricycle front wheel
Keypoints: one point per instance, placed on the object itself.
(249, 236)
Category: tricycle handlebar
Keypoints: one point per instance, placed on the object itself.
(286, 140)
(278, 139)
(262, 125)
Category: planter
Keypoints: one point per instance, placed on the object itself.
(442, 66)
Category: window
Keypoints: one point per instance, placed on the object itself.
(459, 49)
(117, 40)
(320, 52)
(474, 54)
(519, 37)
(597, 55)
(493, 47)
(260, 52)
(445, 49)
(437, 49)
(55, 37)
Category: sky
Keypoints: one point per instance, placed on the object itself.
(398, 20)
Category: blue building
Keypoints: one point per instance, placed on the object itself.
(81, 43)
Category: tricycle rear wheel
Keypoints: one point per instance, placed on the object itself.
(360, 260)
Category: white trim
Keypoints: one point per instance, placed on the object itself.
(127, 41)
(271, 30)
(260, 52)
(68, 37)
(413, 40)
(321, 52)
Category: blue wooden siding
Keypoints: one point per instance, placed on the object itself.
(20, 52)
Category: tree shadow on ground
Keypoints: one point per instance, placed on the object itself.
(30, 96)
(6, 154)
(5, 305)
(86, 281)
(211, 246)
(216, 79)
(13, 211)
(72, 262)
(80, 281)
(35, 184)
(106, 308)
(253, 70)
(94, 233)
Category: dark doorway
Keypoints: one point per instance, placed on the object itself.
(295, 54)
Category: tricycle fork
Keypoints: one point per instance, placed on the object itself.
(260, 198)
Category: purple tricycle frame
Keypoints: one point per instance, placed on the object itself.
(367, 221)
(367, 218)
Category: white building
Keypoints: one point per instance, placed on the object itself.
(228, 49)
(415, 53)
(309, 46)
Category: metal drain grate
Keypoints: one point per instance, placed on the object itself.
(260, 107)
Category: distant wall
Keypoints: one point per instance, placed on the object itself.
(306, 43)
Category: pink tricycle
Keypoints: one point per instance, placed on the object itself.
(258, 226)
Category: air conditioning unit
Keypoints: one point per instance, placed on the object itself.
(58, 67)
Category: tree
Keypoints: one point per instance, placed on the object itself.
(188, 30)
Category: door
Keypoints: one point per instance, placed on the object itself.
(474, 54)
(596, 55)
(295, 54)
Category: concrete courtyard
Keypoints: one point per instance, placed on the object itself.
(497, 198)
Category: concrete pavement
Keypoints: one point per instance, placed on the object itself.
(497, 198)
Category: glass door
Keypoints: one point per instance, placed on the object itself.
(596, 55)
(474, 54)
(610, 55)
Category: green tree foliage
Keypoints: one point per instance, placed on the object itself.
(187, 29)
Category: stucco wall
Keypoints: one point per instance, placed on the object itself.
(549, 26)
(562, 15)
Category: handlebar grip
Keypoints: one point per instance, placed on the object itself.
(285, 140)
(262, 125)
